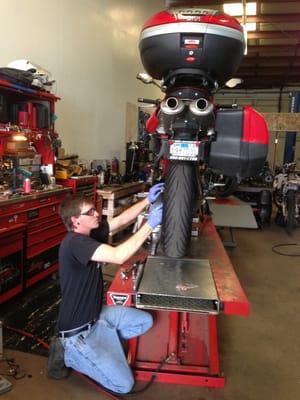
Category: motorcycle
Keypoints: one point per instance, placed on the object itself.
(193, 52)
(287, 196)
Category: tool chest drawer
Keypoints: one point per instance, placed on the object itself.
(43, 211)
(10, 272)
(22, 212)
(44, 226)
(41, 262)
(12, 219)
(11, 244)
(41, 223)
(11, 261)
(42, 246)
(42, 235)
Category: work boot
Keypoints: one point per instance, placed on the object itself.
(56, 366)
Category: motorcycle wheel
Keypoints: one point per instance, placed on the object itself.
(179, 199)
(265, 206)
(291, 211)
(277, 198)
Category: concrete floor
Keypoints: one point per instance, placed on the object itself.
(259, 354)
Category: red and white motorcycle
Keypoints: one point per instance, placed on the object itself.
(193, 52)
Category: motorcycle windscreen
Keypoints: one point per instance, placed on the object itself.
(241, 144)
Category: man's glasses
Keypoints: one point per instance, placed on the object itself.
(90, 212)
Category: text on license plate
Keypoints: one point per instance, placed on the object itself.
(180, 150)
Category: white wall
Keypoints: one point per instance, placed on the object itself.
(91, 49)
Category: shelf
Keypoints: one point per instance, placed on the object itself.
(115, 211)
(112, 195)
(32, 93)
(30, 226)
(115, 192)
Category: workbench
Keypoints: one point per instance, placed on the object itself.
(116, 198)
(182, 346)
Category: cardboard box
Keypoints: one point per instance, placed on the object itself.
(61, 174)
(61, 152)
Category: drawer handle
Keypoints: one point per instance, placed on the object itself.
(17, 206)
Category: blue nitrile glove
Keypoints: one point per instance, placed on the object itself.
(155, 216)
(155, 191)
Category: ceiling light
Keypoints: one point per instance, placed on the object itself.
(250, 26)
(236, 9)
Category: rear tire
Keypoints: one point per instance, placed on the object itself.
(179, 199)
(265, 206)
(291, 210)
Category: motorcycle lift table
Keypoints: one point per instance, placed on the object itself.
(184, 296)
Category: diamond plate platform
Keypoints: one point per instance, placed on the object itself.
(179, 285)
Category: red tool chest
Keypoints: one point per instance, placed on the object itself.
(85, 185)
(30, 253)
(42, 231)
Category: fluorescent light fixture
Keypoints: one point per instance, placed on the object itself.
(236, 9)
(19, 137)
(250, 26)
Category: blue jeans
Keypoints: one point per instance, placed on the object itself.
(98, 352)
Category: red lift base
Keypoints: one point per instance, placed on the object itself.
(182, 347)
(182, 379)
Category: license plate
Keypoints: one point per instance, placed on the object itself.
(184, 150)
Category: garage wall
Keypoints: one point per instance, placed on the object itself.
(91, 49)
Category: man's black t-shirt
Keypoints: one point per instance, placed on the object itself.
(81, 279)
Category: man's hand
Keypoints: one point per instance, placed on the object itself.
(155, 216)
(155, 191)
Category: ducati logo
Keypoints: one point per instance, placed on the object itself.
(119, 299)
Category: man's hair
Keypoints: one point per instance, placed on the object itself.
(71, 207)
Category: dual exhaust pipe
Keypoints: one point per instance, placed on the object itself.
(173, 106)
